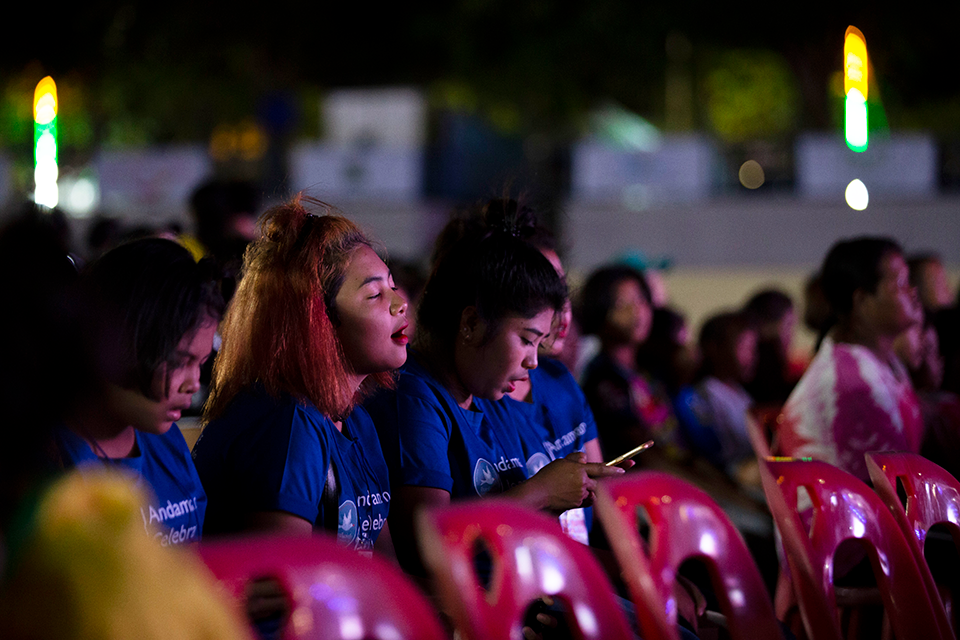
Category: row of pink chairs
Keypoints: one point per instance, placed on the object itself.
(336, 594)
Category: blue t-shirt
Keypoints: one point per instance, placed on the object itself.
(274, 454)
(557, 423)
(177, 502)
(430, 441)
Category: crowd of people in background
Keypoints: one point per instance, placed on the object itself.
(342, 392)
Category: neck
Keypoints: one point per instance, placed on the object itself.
(104, 435)
(445, 370)
(457, 389)
(856, 333)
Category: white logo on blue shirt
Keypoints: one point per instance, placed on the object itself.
(485, 478)
(536, 462)
(347, 527)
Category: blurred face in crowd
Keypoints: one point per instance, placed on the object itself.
(933, 287)
(563, 320)
(894, 306)
(372, 316)
(745, 352)
(631, 316)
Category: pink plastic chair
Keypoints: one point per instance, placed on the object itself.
(933, 497)
(684, 523)
(531, 557)
(334, 592)
(845, 508)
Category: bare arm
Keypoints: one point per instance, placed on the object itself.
(384, 545)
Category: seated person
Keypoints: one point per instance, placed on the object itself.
(315, 324)
(718, 430)
(629, 406)
(548, 409)
(488, 305)
(154, 311)
(856, 395)
(771, 313)
(918, 348)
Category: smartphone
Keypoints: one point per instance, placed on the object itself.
(629, 454)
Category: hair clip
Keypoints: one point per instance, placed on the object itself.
(511, 228)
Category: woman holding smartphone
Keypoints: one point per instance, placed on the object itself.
(488, 305)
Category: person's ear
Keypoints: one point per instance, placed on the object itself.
(860, 297)
(471, 327)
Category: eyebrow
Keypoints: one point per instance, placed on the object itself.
(370, 279)
(537, 332)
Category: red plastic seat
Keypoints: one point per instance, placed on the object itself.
(334, 592)
(933, 497)
(531, 557)
(845, 508)
(685, 523)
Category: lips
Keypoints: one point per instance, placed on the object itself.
(398, 336)
(512, 384)
(176, 413)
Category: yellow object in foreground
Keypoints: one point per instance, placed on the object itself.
(90, 571)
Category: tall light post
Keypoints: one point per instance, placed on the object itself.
(45, 170)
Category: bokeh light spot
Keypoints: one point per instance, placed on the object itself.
(751, 174)
(857, 196)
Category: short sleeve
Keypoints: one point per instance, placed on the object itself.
(424, 431)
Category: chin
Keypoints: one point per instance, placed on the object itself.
(155, 428)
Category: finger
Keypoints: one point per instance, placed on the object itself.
(577, 456)
(627, 464)
(547, 620)
(530, 634)
(600, 470)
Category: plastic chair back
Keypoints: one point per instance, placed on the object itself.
(334, 592)
(933, 497)
(530, 557)
(845, 508)
(685, 523)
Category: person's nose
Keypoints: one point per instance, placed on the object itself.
(530, 362)
(191, 383)
(398, 305)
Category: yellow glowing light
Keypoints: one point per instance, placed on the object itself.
(854, 61)
(857, 196)
(751, 174)
(45, 101)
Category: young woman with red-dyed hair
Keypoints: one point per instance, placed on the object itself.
(315, 323)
